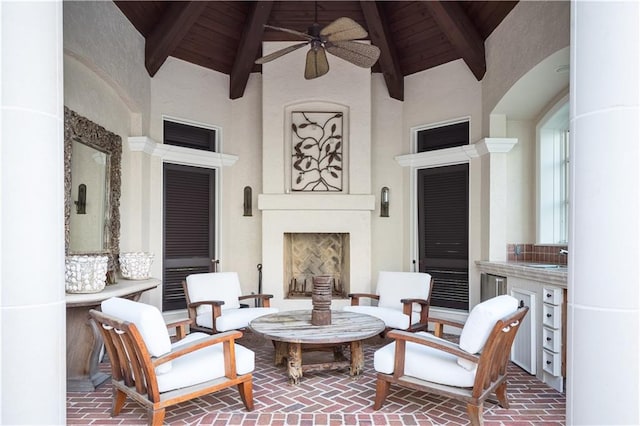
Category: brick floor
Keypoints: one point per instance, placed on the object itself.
(326, 398)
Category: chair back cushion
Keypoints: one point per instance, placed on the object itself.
(148, 321)
(482, 319)
(224, 286)
(393, 286)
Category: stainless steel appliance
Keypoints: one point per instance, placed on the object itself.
(491, 286)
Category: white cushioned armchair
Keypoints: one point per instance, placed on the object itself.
(403, 300)
(156, 373)
(469, 371)
(213, 302)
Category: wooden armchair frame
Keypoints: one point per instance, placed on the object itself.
(216, 308)
(133, 369)
(491, 374)
(407, 308)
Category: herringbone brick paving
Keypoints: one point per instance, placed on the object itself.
(326, 398)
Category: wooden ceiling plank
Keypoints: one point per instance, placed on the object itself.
(381, 37)
(169, 32)
(248, 48)
(461, 32)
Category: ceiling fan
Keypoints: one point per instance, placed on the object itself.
(336, 38)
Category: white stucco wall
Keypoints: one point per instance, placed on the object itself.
(444, 93)
(99, 35)
(106, 81)
(284, 85)
(241, 236)
(388, 234)
(531, 32)
(108, 66)
(521, 183)
(86, 93)
(200, 96)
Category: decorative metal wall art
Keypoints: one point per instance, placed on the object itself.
(317, 151)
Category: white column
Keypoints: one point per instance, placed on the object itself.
(603, 384)
(494, 182)
(32, 306)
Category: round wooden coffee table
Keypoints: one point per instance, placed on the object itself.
(291, 330)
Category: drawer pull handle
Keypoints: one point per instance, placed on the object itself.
(548, 362)
(549, 315)
(548, 339)
(548, 294)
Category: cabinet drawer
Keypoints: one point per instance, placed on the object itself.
(551, 363)
(551, 315)
(552, 295)
(551, 339)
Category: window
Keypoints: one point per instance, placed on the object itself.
(189, 136)
(553, 177)
(189, 219)
(443, 218)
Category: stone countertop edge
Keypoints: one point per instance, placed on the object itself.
(122, 288)
(521, 270)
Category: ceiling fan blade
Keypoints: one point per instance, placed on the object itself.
(281, 52)
(343, 29)
(360, 54)
(317, 63)
(294, 32)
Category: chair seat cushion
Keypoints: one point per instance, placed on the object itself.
(233, 319)
(202, 365)
(425, 363)
(392, 318)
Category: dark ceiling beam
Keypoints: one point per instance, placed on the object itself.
(381, 37)
(169, 32)
(248, 48)
(461, 33)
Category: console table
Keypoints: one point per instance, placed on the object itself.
(84, 342)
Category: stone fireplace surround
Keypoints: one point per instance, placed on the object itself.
(314, 213)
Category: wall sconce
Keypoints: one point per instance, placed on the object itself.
(81, 204)
(247, 201)
(384, 202)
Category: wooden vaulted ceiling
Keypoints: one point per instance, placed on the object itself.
(227, 36)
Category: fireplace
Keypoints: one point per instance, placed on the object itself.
(340, 224)
(307, 255)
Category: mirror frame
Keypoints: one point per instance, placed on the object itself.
(77, 127)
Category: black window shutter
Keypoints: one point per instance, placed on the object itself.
(443, 137)
(443, 218)
(443, 222)
(188, 228)
(189, 136)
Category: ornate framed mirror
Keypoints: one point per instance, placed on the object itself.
(92, 158)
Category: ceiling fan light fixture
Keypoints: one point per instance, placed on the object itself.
(317, 64)
(337, 38)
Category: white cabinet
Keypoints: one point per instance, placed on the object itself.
(524, 349)
(539, 346)
(553, 318)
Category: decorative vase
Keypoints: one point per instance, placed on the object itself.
(85, 274)
(136, 265)
(321, 300)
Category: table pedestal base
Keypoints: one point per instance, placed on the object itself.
(292, 353)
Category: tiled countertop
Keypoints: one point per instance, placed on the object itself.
(556, 276)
